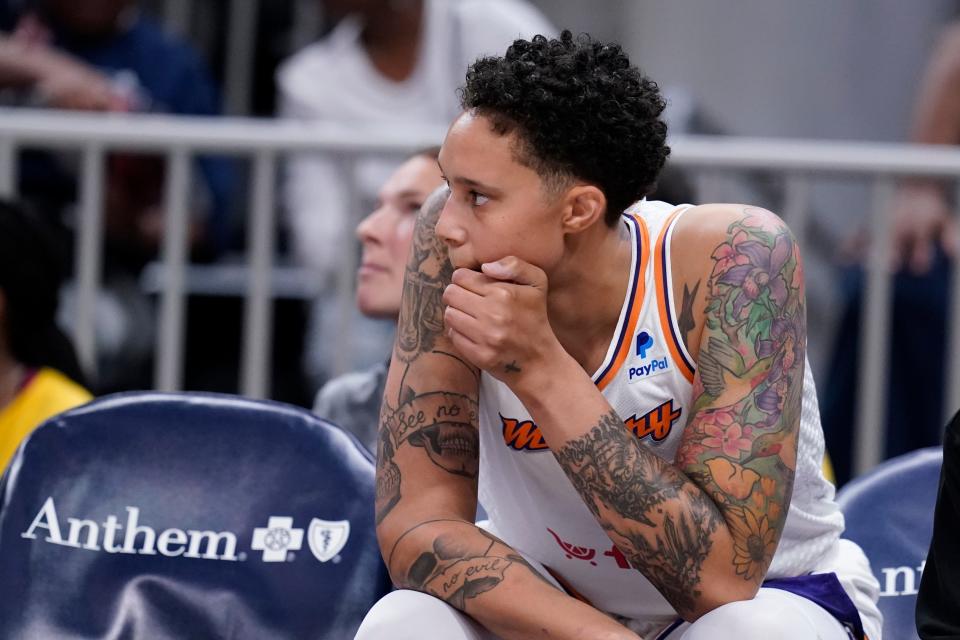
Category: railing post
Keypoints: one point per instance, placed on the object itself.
(168, 375)
(8, 168)
(89, 259)
(871, 428)
(347, 271)
(796, 206)
(258, 307)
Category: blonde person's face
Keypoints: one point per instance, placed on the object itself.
(386, 235)
(497, 206)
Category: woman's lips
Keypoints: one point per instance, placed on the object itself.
(370, 268)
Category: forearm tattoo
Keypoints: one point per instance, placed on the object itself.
(441, 423)
(626, 488)
(463, 563)
(428, 272)
(609, 470)
(388, 473)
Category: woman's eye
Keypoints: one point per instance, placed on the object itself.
(478, 199)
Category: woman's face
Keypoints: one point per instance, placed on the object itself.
(386, 235)
(497, 206)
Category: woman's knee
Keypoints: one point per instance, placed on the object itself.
(761, 618)
(405, 614)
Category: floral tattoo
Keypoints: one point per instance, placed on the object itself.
(740, 445)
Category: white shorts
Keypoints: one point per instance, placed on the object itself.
(772, 613)
(411, 615)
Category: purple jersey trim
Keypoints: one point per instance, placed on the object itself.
(663, 635)
(638, 277)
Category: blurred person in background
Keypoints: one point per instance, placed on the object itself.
(39, 373)
(128, 63)
(106, 55)
(387, 62)
(352, 401)
(925, 227)
(924, 247)
(56, 80)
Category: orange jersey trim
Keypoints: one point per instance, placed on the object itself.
(663, 299)
(639, 285)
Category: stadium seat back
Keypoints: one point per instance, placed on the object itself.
(889, 513)
(147, 515)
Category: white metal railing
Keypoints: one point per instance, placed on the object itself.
(179, 139)
(265, 142)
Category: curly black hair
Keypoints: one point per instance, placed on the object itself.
(579, 109)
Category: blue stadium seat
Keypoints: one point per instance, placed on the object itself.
(889, 513)
(148, 515)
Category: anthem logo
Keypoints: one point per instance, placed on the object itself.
(135, 539)
(277, 541)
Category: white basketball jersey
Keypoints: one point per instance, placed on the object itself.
(647, 376)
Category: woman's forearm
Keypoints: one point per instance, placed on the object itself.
(475, 572)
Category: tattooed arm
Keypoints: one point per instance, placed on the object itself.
(427, 464)
(702, 529)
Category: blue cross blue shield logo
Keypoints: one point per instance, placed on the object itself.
(327, 538)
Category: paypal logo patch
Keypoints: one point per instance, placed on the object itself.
(644, 342)
(655, 367)
(651, 361)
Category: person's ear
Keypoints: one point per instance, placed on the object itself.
(585, 205)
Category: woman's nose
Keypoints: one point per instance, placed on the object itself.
(448, 228)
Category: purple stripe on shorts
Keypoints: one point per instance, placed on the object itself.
(824, 589)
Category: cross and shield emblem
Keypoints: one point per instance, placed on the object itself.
(327, 538)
